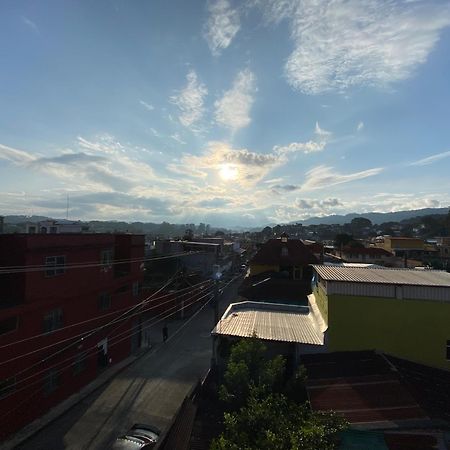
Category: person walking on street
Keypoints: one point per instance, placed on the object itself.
(165, 332)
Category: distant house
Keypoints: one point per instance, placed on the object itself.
(371, 255)
(291, 256)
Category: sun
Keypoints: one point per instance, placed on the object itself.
(228, 172)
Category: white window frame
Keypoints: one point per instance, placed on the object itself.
(55, 265)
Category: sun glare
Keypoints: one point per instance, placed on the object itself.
(228, 172)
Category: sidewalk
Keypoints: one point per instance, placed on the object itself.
(147, 387)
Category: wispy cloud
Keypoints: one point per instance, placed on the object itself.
(430, 159)
(360, 126)
(29, 23)
(233, 109)
(324, 176)
(343, 43)
(146, 105)
(15, 155)
(176, 137)
(190, 100)
(303, 147)
(321, 132)
(222, 25)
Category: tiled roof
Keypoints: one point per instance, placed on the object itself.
(271, 253)
(412, 277)
(366, 251)
(269, 321)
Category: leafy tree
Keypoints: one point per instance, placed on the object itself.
(342, 240)
(274, 422)
(248, 368)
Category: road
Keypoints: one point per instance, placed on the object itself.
(149, 391)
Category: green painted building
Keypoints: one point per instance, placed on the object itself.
(402, 312)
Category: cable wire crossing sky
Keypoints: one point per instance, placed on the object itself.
(223, 112)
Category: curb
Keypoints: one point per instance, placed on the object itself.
(54, 413)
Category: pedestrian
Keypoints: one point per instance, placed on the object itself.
(165, 332)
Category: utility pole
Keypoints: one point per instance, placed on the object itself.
(217, 276)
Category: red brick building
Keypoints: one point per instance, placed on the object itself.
(63, 287)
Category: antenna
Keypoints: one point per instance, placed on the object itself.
(67, 211)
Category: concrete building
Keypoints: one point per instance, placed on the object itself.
(367, 255)
(284, 255)
(58, 295)
(55, 227)
(402, 312)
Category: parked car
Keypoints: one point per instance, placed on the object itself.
(139, 436)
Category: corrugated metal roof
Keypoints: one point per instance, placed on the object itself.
(412, 277)
(270, 321)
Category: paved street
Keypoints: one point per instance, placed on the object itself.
(149, 391)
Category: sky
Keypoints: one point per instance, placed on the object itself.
(233, 113)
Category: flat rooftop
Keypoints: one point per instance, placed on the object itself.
(362, 387)
(270, 321)
(413, 277)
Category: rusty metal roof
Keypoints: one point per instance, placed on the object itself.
(412, 277)
(270, 321)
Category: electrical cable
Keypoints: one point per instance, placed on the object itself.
(83, 265)
(93, 350)
(52, 333)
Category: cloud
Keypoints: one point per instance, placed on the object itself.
(304, 147)
(190, 100)
(344, 43)
(321, 132)
(176, 137)
(30, 24)
(214, 203)
(146, 105)
(15, 155)
(67, 159)
(286, 187)
(233, 109)
(317, 204)
(324, 176)
(430, 159)
(360, 126)
(250, 166)
(222, 25)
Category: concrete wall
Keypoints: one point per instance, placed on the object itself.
(411, 329)
(256, 269)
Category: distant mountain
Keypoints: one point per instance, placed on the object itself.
(374, 217)
(14, 220)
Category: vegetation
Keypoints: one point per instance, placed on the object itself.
(266, 411)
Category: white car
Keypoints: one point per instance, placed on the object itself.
(139, 436)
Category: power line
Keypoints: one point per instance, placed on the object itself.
(85, 335)
(84, 265)
(52, 333)
(92, 350)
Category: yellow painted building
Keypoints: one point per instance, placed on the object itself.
(402, 312)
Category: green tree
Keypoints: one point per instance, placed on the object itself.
(248, 368)
(274, 422)
(342, 240)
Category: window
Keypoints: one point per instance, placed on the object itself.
(53, 320)
(284, 251)
(52, 381)
(8, 325)
(7, 386)
(122, 289)
(104, 301)
(448, 350)
(80, 363)
(106, 258)
(136, 288)
(53, 230)
(55, 265)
